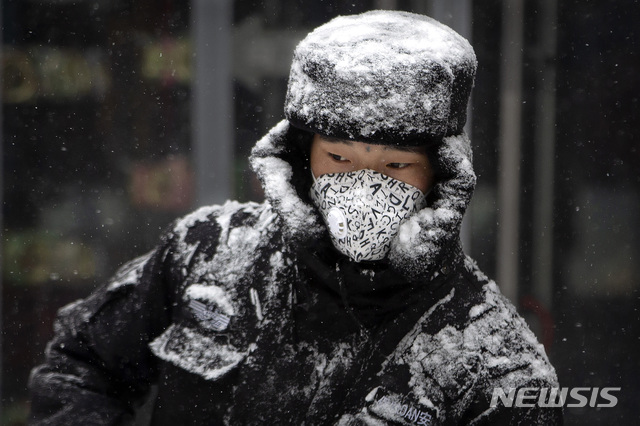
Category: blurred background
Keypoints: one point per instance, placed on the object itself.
(119, 116)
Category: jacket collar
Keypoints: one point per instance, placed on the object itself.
(302, 224)
(426, 245)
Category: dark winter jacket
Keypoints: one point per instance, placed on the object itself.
(245, 314)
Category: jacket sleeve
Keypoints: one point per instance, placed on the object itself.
(98, 365)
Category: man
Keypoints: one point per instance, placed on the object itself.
(344, 298)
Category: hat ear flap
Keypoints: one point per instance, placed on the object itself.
(298, 154)
(424, 242)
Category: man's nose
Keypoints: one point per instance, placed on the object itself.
(371, 165)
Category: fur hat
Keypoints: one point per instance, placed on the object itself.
(383, 77)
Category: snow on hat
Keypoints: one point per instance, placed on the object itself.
(384, 77)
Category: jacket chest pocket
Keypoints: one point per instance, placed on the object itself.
(207, 337)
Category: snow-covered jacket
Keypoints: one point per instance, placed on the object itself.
(245, 315)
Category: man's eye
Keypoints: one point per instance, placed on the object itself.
(337, 157)
(397, 165)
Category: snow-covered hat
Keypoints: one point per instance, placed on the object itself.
(384, 77)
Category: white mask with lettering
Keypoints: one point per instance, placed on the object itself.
(364, 209)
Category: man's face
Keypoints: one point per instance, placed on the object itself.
(409, 165)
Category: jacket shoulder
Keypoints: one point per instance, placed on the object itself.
(470, 342)
(477, 332)
(232, 214)
(513, 355)
(232, 225)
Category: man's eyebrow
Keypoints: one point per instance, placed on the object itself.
(414, 149)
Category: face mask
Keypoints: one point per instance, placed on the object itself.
(364, 209)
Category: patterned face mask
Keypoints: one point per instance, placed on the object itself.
(364, 209)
